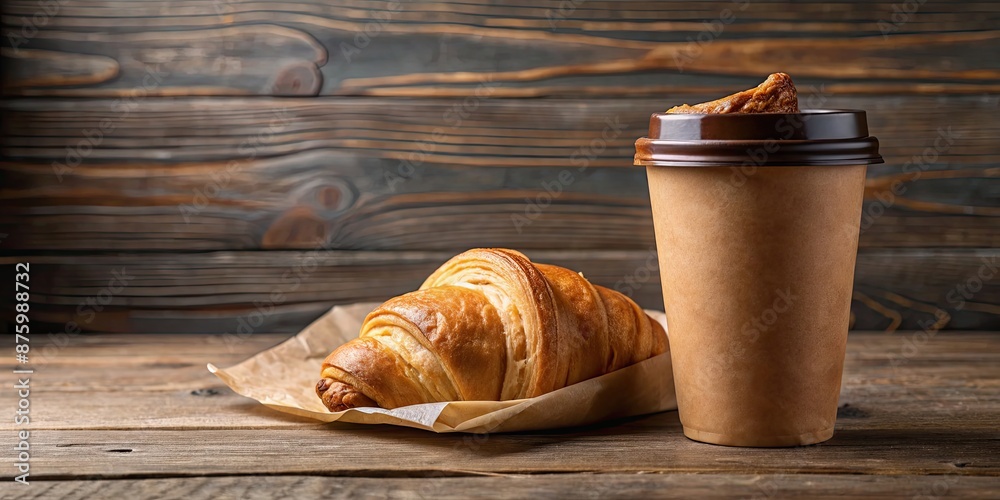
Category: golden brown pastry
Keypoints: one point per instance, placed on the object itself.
(488, 325)
(776, 95)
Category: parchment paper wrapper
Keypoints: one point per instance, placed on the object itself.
(284, 378)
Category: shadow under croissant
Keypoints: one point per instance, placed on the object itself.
(502, 443)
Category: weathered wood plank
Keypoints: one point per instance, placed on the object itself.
(32, 67)
(375, 173)
(756, 486)
(546, 131)
(284, 290)
(550, 47)
(289, 288)
(931, 413)
(650, 444)
(955, 378)
(260, 59)
(212, 405)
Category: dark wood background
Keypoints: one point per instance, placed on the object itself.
(256, 162)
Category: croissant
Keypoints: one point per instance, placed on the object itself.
(776, 95)
(488, 325)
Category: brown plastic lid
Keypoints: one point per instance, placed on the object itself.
(811, 137)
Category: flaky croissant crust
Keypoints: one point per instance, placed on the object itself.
(488, 325)
(777, 94)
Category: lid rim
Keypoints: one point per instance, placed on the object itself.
(832, 162)
(812, 137)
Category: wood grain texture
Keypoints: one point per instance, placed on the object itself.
(33, 67)
(550, 47)
(517, 486)
(283, 291)
(479, 131)
(932, 414)
(271, 291)
(264, 59)
(174, 391)
(371, 173)
(424, 140)
(440, 84)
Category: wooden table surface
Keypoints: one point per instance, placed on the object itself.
(134, 416)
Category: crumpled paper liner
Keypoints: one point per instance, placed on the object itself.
(284, 378)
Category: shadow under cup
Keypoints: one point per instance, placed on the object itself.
(757, 221)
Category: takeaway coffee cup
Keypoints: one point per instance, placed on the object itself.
(757, 219)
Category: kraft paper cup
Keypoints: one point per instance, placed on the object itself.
(757, 219)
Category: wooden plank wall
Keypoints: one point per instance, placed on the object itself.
(193, 165)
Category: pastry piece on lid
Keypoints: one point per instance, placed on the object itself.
(776, 95)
